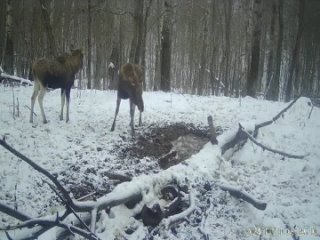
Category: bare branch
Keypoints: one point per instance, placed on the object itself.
(268, 148)
(244, 196)
(260, 125)
(53, 223)
(13, 213)
(39, 169)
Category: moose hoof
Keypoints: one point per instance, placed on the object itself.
(45, 121)
(61, 118)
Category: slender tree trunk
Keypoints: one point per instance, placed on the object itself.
(228, 15)
(89, 45)
(270, 66)
(8, 57)
(165, 83)
(295, 54)
(49, 32)
(255, 51)
(201, 79)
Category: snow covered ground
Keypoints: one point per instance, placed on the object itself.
(81, 151)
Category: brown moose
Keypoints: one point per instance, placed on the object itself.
(56, 73)
(130, 87)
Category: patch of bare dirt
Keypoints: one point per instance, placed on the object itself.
(172, 142)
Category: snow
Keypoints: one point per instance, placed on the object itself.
(290, 187)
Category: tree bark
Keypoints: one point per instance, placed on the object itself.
(8, 57)
(49, 31)
(89, 44)
(295, 54)
(255, 51)
(165, 83)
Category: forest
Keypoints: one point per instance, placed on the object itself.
(267, 49)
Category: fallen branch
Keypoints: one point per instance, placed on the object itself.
(260, 125)
(52, 223)
(39, 169)
(235, 192)
(118, 176)
(268, 148)
(212, 131)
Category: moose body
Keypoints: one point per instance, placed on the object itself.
(56, 73)
(130, 87)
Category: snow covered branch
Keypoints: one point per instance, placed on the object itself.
(235, 192)
(268, 148)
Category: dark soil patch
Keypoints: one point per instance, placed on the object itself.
(157, 142)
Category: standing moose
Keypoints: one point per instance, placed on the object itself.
(130, 86)
(56, 73)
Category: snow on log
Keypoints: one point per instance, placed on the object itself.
(15, 79)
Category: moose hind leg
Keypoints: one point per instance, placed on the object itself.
(63, 99)
(40, 100)
(140, 119)
(116, 114)
(132, 108)
(67, 93)
(33, 99)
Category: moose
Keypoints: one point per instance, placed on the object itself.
(55, 73)
(130, 87)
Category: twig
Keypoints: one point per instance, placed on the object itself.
(30, 109)
(310, 111)
(268, 148)
(244, 196)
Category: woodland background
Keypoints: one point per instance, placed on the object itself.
(259, 48)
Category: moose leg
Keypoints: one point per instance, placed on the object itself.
(140, 119)
(116, 113)
(40, 100)
(35, 93)
(63, 99)
(132, 108)
(67, 93)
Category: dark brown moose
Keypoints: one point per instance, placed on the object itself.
(130, 87)
(55, 73)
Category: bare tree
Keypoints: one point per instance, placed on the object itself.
(165, 83)
(255, 50)
(8, 57)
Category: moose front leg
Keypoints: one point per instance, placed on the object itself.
(116, 114)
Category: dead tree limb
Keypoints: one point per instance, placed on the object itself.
(268, 148)
(39, 169)
(52, 223)
(260, 125)
(244, 196)
(212, 131)
(13, 213)
(118, 176)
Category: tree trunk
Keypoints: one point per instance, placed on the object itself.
(166, 49)
(8, 57)
(228, 15)
(270, 66)
(49, 32)
(201, 79)
(295, 54)
(255, 51)
(89, 45)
